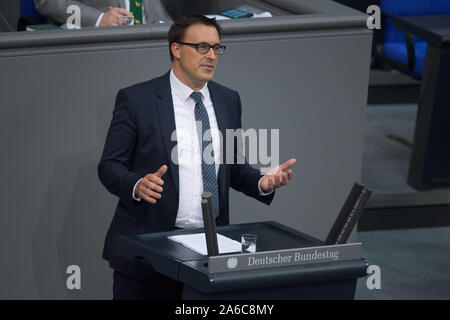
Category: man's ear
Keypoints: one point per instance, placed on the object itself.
(176, 50)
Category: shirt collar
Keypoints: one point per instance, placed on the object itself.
(182, 91)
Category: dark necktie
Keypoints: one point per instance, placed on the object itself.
(208, 169)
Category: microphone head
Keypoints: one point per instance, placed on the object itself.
(206, 195)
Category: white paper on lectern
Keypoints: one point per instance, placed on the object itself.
(197, 242)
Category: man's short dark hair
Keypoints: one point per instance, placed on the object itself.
(179, 27)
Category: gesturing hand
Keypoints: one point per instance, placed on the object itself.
(276, 177)
(149, 188)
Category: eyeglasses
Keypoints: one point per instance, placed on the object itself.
(203, 48)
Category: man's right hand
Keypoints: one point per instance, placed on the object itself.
(110, 17)
(149, 188)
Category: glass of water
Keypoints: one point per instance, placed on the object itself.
(248, 243)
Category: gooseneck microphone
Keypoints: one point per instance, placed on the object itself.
(209, 224)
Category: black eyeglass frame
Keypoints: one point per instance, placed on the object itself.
(196, 45)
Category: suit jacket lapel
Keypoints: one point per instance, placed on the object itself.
(220, 110)
(166, 116)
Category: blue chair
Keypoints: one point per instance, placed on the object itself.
(29, 15)
(27, 9)
(401, 50)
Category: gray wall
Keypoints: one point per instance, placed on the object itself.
(55, 107)
(10, 9)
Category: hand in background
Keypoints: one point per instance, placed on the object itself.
(110, 16)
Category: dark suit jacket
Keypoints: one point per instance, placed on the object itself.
(139, 142)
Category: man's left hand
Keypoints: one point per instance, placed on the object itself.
(276, 177)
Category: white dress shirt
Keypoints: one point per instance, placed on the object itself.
(189, 152)
(189, 160)
(127, 7)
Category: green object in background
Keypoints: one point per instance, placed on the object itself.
(136, 9)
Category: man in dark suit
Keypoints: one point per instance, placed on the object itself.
(159, 179)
